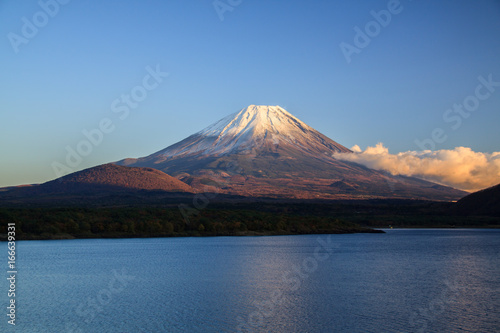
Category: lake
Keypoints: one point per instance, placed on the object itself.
(407, 280)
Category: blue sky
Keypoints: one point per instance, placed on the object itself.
(63, 79)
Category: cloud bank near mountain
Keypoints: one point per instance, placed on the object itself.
(461, 167)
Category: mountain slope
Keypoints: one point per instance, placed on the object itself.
(114, 177)
(481, 203)
(266, 151)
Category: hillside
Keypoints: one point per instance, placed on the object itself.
(482, 203)
(114, 177)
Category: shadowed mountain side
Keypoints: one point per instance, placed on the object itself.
(481, 203)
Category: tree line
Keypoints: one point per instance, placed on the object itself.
(62, 223)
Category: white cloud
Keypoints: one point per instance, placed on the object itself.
(461, 167)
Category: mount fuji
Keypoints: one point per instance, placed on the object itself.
(264, 151)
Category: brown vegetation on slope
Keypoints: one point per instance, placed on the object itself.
(111, 176)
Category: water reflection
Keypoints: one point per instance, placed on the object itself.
(368, 283)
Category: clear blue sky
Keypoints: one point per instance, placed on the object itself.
(64, 78)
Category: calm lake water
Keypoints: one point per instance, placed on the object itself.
(402, 281)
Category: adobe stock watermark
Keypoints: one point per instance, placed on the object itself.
(223, 6)
(363, 37)
(31, 27)
(422, 317)
(293, 280)
(96, 304)
(121, 108)
(458, 112)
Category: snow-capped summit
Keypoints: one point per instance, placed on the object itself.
(256, 120)
(254, 127)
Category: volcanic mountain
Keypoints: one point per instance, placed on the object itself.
(265, 151)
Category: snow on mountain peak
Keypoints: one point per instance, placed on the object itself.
(255, 120)
(253, 127)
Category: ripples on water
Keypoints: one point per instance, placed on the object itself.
(401, 281)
